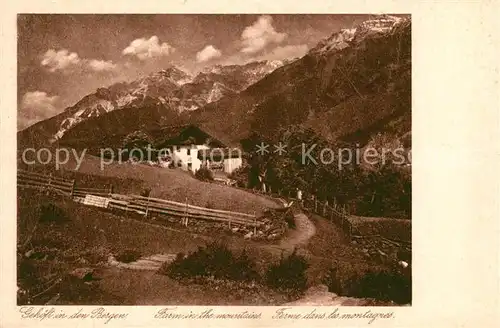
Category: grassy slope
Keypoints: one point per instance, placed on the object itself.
(172, 184)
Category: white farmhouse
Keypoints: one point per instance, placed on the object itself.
(190, 148)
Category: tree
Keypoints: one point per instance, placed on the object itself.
(138, 140)
(378, 190)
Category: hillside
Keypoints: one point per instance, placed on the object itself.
(171, 184)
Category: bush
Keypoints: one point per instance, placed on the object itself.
(50, 212)
(332, 280)
(204, 174)
(382, 285)
(146, 192)
(215, 260)
(136, 140)
(289, 274)
(128, 255)
(240, 175)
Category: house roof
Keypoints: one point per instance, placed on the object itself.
(183, 135)
(222, 138)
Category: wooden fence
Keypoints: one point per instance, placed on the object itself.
(151, 206)
(335, 213)
(133, 203)
(26, 179)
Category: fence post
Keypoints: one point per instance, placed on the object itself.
(324, 208)
(315, 205)
(73, 187)
(344, 219)
(254, 223)
(49, 184)
(186, 213)
(147, 207)
(341, 218)
(111, 190)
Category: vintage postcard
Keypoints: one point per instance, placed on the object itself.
(236, 168)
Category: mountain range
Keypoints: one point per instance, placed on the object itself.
(352, 85)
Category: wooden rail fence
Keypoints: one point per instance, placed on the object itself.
(335, 213)
(150, 206)
(26, 179)
(133, 203)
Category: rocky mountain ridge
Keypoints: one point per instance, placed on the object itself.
(171, 88)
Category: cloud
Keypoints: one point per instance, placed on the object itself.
(145, 49)
(260, 35)
(59, 60)
(208, 53)
(63, 60)
(287, 52)
(101, 65)
(36, 106)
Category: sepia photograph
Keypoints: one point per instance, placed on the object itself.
(214, 159)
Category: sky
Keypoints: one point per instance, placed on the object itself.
(62, 58)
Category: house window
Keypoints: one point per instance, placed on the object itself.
(189, 151)
(190, 166)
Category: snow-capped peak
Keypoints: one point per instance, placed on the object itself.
(342, 39)
(380, 24)
(172, 74)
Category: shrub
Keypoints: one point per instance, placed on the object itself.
(214, 260)
(50, 212)
(204, 174)
(136, 140)
(146, 192)
(382, 285)
(288, 274)
(240, 175)
(332, 280)
(128, 255)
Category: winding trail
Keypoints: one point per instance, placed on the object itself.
(298, 237)
(152, 262)
(304, 230)
(294, 239)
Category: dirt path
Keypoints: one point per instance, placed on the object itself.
(304, 230)
(295, 238)
(152, 262)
